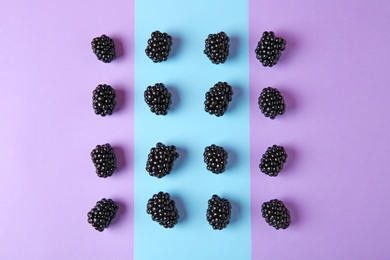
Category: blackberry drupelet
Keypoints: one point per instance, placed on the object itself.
(269, 49)
(273, 160)
(217, 47)
(102, 214)
(218, 98)
(215, 158)
(158, 98)
(104, 48)
(163, 210)
(104, 100)
(218, 212)
(159, 46)
(271, 103)
(161, 160)
(104, 159)
(276, 214)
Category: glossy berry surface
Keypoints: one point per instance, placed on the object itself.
(217, 47)
(271, 103)
(158, 98)
(159, 46)
(218, 98)
(161, 160)
(103, 100)
(104, 48)
(269, 49)
(163, 210)
(104, 159)
(215, 158)
(276, 214)
(273, 160)
(102, 214)
(218, 212)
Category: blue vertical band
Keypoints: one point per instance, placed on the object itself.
(188, 74)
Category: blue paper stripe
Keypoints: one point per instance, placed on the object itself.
(189, 74)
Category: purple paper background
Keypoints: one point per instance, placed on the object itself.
(48, 128)
(334, 76)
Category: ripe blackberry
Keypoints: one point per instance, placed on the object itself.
(102, 214)
(161, 159)
(104, 100)
(158, 99)
(271, 102)
(104, 48)
(218, 212)
(276, 214)
(104, 159)
(218, 98)
(163, 210)
(159, 46)
(269, 49)
(217, 47)
(215, 158)
(273, 160)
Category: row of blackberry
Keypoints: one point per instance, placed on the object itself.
(268, 50)
(271, 104)
(103, 156)
(158, 98)
(163, 210)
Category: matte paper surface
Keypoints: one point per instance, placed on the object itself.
(333, 75)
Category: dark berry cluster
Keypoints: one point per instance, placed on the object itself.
(218, 98)
(159, 46)
(158, 98)
(271, 102)
(103, 100)
(215, 158)
(104, 159)
(218, 212)
(217, 47)
(276, 214)
(273, 160)
(163, 210)
(104, 48)
(269, 49)
(161, 160)
(102, 214)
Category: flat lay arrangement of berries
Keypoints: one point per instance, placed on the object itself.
(161, 158)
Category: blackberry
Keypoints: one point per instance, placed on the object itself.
(158, 98)
(104, 159)
(273, 160)
(269, 49)
(215, 158)
(271, 102)
(163, 210)
(217, 47)
(276, 214)
(218, 98)
(218, 212)
(159, 46)
(104, 100)
(104, 48)
(161, 159)
(102, 214)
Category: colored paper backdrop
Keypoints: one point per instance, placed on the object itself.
(333, 76)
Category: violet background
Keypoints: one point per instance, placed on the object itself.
(334, 76)
(48, 129)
